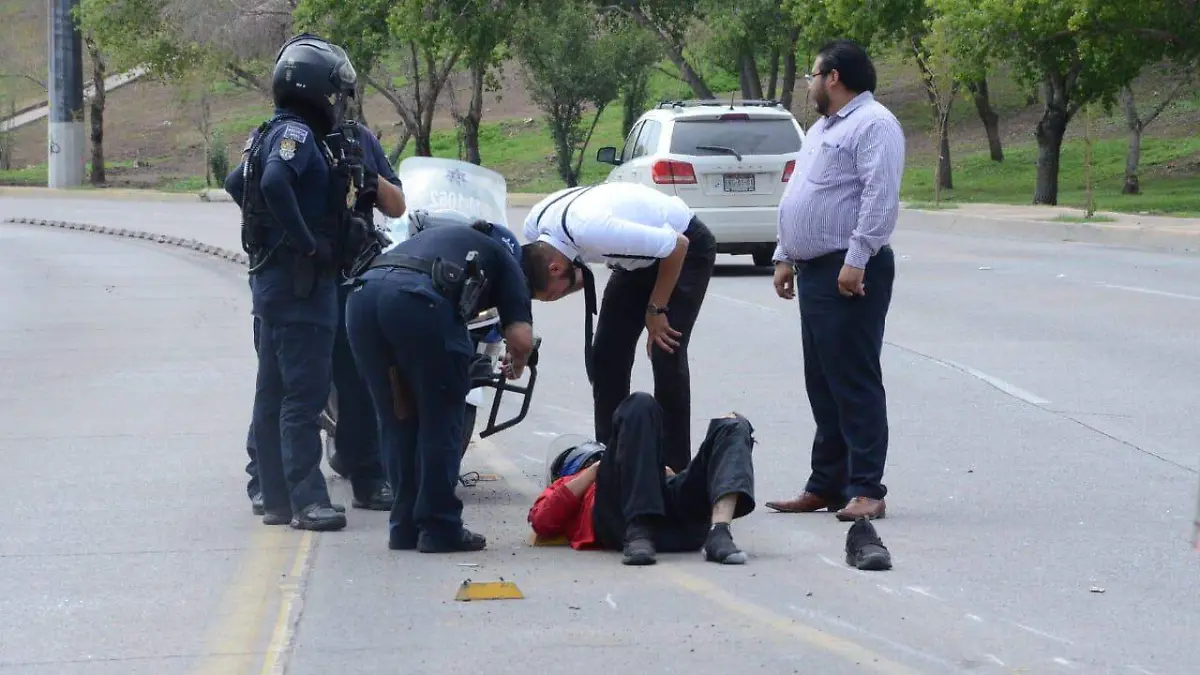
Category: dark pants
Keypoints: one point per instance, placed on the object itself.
(252, 486)
(621, 322)
(357, 435)
(842, 342)
(631, 482)
(293, 385)
(395, 319)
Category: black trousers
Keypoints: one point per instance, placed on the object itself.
(631, 482)
(621, 322)
(842, 341)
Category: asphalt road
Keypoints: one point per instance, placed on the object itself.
(1042, 477)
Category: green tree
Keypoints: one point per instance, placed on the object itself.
(668, 22)
(1049, 42)
(573, 60)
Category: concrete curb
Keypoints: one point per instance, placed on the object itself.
(225, 254)
(1181, 240)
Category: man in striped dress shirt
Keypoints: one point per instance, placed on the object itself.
(835, 221)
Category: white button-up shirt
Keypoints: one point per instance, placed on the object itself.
(624, 225)
(845, 191)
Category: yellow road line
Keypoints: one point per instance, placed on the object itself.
(233, 643)
(282, 635)
(854, 652)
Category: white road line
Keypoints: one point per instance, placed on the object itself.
(975, 618)
(994, 659)
(921, 591)
(899, 646)
(1006, 387)
(1149, 291)
(1062, 662)
(747, 303)
(1041, 633)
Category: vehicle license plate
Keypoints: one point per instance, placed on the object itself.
(739, 182)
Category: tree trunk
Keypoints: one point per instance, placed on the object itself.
(987, 114)
(773, 83)
(751, 80)
(1133, 156)
(394, 155)
(941, 125)
(470, 123)
(1049, 134)
(789, 69)
(675, 53)
(97, 114)
(634, 101)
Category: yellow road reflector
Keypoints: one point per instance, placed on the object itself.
(536, 540)
(488, 590)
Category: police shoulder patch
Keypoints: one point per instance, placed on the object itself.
(295, 133)
(287, 149)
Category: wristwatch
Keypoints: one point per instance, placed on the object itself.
(655, 309)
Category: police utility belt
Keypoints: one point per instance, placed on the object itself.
(461, 285)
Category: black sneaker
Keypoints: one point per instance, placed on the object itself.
(379, 499)
(320, 518)
(256, 504)
(465, 542)
(402, 538)
(639, 545)
(719, 546)
(864, 548)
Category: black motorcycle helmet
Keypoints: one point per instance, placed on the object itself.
(313, 77)
(576, 459)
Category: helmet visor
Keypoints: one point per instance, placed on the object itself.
(344, 75)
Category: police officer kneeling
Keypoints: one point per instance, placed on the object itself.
(295, 219)
(406, 319)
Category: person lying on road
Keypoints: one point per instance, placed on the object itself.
(623, 496)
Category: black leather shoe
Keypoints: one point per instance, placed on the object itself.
(319, 518)
(256, 504)
(639, 545)
(276, 517)
(380, 499)
(466, 541)
(864, 548)
(402, 540)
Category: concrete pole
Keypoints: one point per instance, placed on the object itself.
(66, 142)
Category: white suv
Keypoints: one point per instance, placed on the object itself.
(729, 161)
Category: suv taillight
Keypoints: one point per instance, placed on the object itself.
(788, 169)
(672, 173)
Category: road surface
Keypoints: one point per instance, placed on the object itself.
(1042, 477)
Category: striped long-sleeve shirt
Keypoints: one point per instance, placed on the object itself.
(845, 191)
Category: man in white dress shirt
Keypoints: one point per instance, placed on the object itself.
(661, 257)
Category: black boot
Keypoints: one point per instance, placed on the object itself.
(639, 544)
(719, 546)
(320, 518)
(464, 542)
(864, 548)
(378, 499)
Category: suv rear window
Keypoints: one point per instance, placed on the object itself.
(748, 137)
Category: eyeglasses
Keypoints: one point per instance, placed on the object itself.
(812, 76)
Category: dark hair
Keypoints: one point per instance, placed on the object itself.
(854, 67)
(535, 263)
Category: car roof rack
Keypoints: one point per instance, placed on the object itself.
(716, 102)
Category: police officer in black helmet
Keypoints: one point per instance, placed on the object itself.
(296, 196)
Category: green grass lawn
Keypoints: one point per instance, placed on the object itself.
(978, 179)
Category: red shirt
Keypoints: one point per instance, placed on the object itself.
(558, 512)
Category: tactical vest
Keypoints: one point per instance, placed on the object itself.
(257, 219)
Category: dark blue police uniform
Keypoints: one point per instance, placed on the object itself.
(294, 297)
(357, 436)
(411, 339)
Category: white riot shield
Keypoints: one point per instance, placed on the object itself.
(433, 183)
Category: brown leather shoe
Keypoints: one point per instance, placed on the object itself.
(863, 507)
(807, 502)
